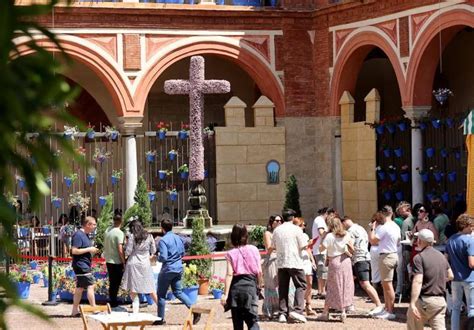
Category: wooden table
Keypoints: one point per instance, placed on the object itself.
(115, 320)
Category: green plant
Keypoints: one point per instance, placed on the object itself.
(256, 235)
(141, 209)
(216, 283)
(58, 273)
(117, 174)
(183, 168)
(198, 247)
(190, 276)
(292, 199)
(105, 220)
(17, 276)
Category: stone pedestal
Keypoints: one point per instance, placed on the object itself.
(197, 199)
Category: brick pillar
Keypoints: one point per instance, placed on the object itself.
(235, 112)
(263, 112)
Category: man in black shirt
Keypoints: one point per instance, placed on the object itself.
(431, 271)
(82, 251)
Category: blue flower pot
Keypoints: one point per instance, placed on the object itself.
(392, 176)
(183, 135)
(220, 2)
(206, 173)
(398, 152)
(387, 152)
(46, 230)
(399, 195)
(161, 135)
(36, 278)
(424, 177)
(66, 296)
(444, 153)
(67, 136)
(184, 175)
(423, 126)
(90, 179)
(254, 3)
(171, 156)
(217, 293)
(23, 289)
(173, 196)
(162, 175)
(449, 122)
(102, 200)
(459, 197)
(387, 195)
(68, 182)
(24, 232)
(391, 128)
(379, 129)
(192, 293)
(438, 176)
(150, 158)
(151, 196)
(430, 196)
(21, 184)
(170, 296)
(273, 3)
(445, 197)
(436, 123)
(405, 177)
(56, 203)
(430, 152)
(70, 273)
(402, 126)
(114, 136)
(452, 176)
(115, 180)
(33, 264)
(457, 155)
(91, 135)
(381, 175)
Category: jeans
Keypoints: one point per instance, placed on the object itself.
(115, 277)
(299, 280)
(241, 315)
(458, 287)
(164, 281)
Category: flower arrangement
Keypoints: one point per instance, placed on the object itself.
(76, 199)
(183, 168)
(57, 275)
(18, 276)
(70, 131)
(172, 154)
(56, 201)
(111, 133)
(184, 127)
(100, 155)
(162, 126)
(117, 173)
(442, 94)
(150, 155)
(216, 283)
(81, 151)
(190, 276)
(90, 133)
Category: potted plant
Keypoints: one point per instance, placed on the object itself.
(392, 173)
(430, 152)
(172, 154)
(380, 173)
(183, 133)
(387, 152)
(216, 286)
(90, 133)
(256, 236)
(438, 175)
(69, 180)
(424, 174)
(436, 123)
(70, 132)
(183, 170)
(151, 196)
(100, 155)
(116, 176)
(102, 200)
(190, 282)
(173, 194)
(23, 282)
(444, 152)
(150, 156)
(442, 94)
(21, 181)
(452, 176)
(76, 199)
(404, 173)
(111, 133)
(162, 129)
(398, 152)
(56, 201)
(199, 247)
(90, 179)
(162, 174)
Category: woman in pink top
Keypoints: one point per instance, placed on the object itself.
(244, 277)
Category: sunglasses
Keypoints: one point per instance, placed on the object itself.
(277, 221)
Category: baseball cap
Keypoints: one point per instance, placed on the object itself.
(425, 235)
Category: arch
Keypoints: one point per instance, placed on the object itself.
(248, 59)
(424, 58)
(101, 63)
(351, 57)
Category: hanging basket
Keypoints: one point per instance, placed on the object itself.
(68, 182)
(387, 195)
(452, 176)
(405, 177)
(379, 129)
(151, 196)
(102, 200)
(162, 175)
(173, 196)
(436, 123)
(438, 176)
(399, 195)
(161, 135)
(387, 152)
(402, 126)
(392, 176)
(91, 179)
(381, 175)
(430, 152)
(171, 155)
(150, 158)
(398, 152)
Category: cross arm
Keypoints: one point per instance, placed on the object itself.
(177, 87)
(215, 87)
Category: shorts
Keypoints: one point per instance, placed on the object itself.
(361, 270)
(387, 264)
(321, 270)
(84, 280)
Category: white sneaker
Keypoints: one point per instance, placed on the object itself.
(386, 316)
(351, 309)
(297, 317)
(282, 318)
(377, 310)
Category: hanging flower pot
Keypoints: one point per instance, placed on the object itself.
(33, 264)
(206, 173)
(449, 122)
(392, 176)
(162, 174)
(424, 176)
(173, 195)
(379, 129)
(441, 95)
(430, 152)
(150, 157)
(438, 176)
(381, 175)
(102, 200)
(402, 126)
(398, 152)
(114, 180)
(21, 183)
(161, 135)
(151, 196)
(184, 175)
(430, 196)
(91, 179)
(405, 177)
(445, 197)
(452, 176)
(172, 154)
(56, 202)
(390, 128)
(68, 181)
(457, 155)
(459, 197)
(90, 134)
(183, 135)
(444, 153)
(436, 123)
(387, 152)
(423, 126)
(387, 195)
(23, 289)
(399, 195)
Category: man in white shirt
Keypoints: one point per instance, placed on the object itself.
(318, 233)
(289, 241)
(387, 237)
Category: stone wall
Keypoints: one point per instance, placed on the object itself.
(242, 153)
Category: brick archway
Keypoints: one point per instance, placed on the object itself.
(258, 69)
(425, 55)
(95, 59)
(350, 61)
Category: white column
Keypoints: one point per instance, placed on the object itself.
(414, 113)
(131, 169)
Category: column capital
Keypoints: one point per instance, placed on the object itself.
(414, 112)
(129, 125)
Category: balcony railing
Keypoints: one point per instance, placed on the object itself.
(248, 3)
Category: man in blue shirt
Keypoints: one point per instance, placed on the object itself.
(171, 255)
(460, 250)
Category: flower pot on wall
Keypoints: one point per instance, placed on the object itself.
(423, 126)
(381, 175)
(390, 128)
(405, 177)
(387, 195)
(436, 123)
(151, 196)
(150, 158)
(102, 200)
(192, 293)
(430, 152)
(424, 177)
(379, 129)
(392, 176)
(452, 176)
(387, 152)
(162, 175)
(444, 153)
(91, 179)
(445, 196)
(398, 152)
(438, 176)
(173, 196)
(402, 126)
(449, 122)
(161, 135)
(399, 195)
(184, 175)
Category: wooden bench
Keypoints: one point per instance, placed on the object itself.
(188, 323)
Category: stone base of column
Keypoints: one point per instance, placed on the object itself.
(196, 214)
(197, 200)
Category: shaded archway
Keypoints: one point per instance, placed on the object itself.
(231, 49)
(351, 58)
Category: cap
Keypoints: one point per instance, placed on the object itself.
(425, 235)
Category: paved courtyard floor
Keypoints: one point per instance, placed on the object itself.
(17, 319)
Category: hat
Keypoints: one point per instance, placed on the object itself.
(425, 235)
